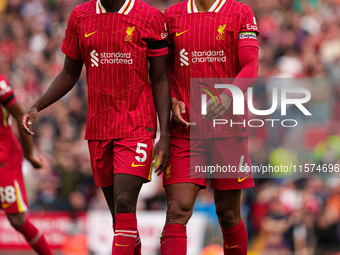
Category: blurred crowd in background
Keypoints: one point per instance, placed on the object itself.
(299, 39)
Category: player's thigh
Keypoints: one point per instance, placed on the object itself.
(232, 160)
(101, 157)
(133, 156)
(13, 198)
(183, 161)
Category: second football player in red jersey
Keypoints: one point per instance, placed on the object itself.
(13, 198)
(209, 39)
(115, 40)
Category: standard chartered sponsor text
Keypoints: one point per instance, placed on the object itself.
(116, 58)
(208, 56)
(211, 169)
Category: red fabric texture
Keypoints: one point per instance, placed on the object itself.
(174, 240)
(35, 238)
(235, 240)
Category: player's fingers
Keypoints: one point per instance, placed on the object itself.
(24, 121)
(160, 168)
(211, 112)
(40, 163)
(182, 107)
(222, 112)
(37, 164)
(31, 118)
(178, 116)
(210, 103)
(183, 122)
(26, 125)
(155, 154)
(157, 167)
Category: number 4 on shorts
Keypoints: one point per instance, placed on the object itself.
(243, 168)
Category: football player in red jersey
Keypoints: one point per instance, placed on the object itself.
(13, 199)
(116, 40)
(224, 46)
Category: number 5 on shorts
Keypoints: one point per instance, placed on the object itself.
(140, 150)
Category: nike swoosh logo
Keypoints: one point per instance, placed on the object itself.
(230, 247)
(133, 165)
(4, 206)
(241, 180)
(87, 35)
(178, 34)
(124, 245)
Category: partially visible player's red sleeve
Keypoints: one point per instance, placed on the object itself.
(248, 53)
(171, 76)
(70, 44)
(156, 37)
(249, 31)
(171, 60)
(7, 97)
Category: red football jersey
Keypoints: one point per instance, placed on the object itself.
(114, 48)
(9, 146)
(205, 45)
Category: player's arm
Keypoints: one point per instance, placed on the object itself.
(161, 94)
(177, 106)
(61, 84)
(248, 58)
(17, 112)
(248, 53)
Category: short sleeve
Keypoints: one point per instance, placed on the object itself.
(167, 25)
(248, 31)
(7, 97)
(70, 44)
(156, 37)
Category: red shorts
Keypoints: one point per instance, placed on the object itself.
(13, 198)
(125, 156)
(219, 160)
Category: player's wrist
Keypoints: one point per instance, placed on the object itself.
(227, 95)
(165, 134)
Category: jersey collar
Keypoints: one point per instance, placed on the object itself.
(125, 9)
(214, 8)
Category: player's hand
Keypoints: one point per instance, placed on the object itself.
(216, 111)
(27, 120)
(35, 161)
(178, 108)
(162, 148)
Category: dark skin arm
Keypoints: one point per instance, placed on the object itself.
(161, 93)
(59, 87)
(17, 112)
